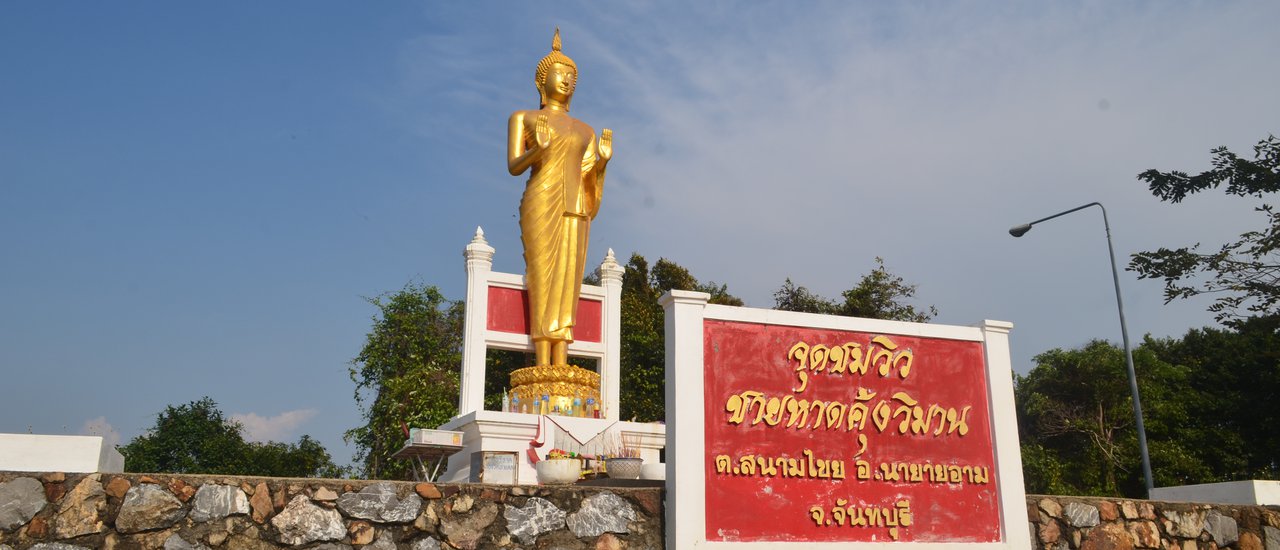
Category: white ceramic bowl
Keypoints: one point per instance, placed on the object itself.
(623, 468)
(558, 471)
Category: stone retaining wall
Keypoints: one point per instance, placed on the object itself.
(53, 511)
(1084, 523)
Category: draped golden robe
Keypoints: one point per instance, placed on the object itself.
(559, 202)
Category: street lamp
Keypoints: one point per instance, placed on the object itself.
(1020, 230)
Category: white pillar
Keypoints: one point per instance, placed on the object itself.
(610, 368)
(684, 311)
(479, 257)
(1004, 427)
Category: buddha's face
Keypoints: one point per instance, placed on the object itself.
(559, 83)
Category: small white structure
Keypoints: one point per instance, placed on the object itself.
(494, 319)
(58, 453)
(1253, 492)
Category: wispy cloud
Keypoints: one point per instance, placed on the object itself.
(272, 428)
(754, 144)
(100, 427)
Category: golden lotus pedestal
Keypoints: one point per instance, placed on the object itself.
(563, 390)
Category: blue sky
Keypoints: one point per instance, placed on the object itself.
(195, 197)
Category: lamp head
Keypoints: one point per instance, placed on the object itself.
(1020, 230)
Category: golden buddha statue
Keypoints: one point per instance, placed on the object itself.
(567, 167)
(567, 164)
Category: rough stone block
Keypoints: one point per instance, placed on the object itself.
(181, 490)
(427, 490)
(1050, 532)
(20, 500)
(117, 487)
(1222, 529)
(601, 513)
(360, 533)
(1145, 534)
(174, 542)
(260, 503)
(1186, 524)
(38, 527)
(536, 517)
(1272, 537)
(302, 522)
(378, 502)
(608, 541)
(80, 512)
(1109, 537)
(429, 543)
(1250, 541)
(324, 494)
(214, 502)
(148, 507)
(1107, 511)
(464, 530)
(384, 542)
(1080, 515)
(1051, 507)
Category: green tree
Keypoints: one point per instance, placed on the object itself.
(1075, 410)
(1244, 274)
(798, 298)
(877, 295)
(196, 438)
(406, 374)
(643, 353)
(306, 458)
(1232, 375)
(1078, 430)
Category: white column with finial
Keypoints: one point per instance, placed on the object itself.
(611, 369)
(479, 257)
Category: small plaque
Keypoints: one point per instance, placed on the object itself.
(495, 467)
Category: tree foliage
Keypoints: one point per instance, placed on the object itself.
(1075, 410)
(1244, 274)
(1232, 376)
(406, 374)
(643, 353)
(196, 438)
(1202, 398)
(877, 295)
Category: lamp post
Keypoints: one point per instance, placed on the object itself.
(1021, 230)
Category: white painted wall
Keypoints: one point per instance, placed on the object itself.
(1254, 492)
(58, 453)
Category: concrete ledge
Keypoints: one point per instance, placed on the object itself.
(58, 453)
(1253, 492)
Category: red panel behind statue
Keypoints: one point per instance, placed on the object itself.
(509, 312)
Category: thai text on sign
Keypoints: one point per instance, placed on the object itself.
(827, 435)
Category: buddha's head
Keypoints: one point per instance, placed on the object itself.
(556, 75)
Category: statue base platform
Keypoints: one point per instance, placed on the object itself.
(487, 432)
(563, 390)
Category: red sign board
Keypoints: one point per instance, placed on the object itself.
(509, 312)
(816, 435)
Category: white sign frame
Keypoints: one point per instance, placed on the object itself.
(686, 456)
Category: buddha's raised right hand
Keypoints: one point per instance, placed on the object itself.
(542, 132)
